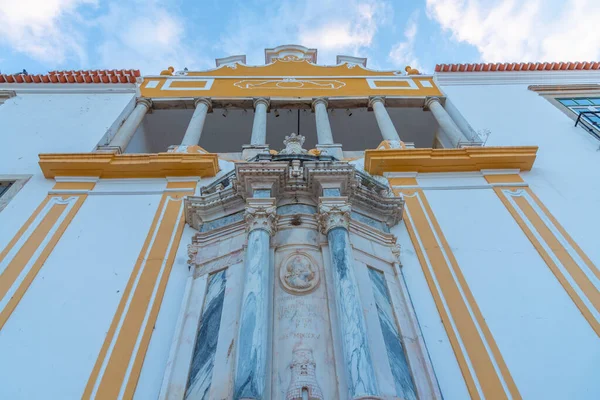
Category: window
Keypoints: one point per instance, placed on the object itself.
(4, 186)
(587, 110)
(10, 186)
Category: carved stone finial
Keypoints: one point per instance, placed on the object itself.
(303, 377)
(333, 214)
(293, 144)
(261, 215)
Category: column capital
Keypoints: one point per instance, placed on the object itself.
(264, 100)
(261, 214)
(145, 102)
(334, 212)
(203, 100)
(429, 100)
(374, 99)
(316, 100)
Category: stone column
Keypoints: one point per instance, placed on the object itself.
(445, 121)
(127, 130)
(259, 126)
(194, 129)
(324, 135)
(255, 325)
(334, 220)
(386, 126)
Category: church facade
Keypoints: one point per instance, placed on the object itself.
(299, 231)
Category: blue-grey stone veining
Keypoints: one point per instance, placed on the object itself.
(331, 192)
(291, 209)
(254, 325)
(218, 223)
(355, 346)
(405, 388)
(370, 221)
(201, 369)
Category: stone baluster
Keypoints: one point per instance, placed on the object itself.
(253, 334)
(194, 129)
(133, 121)
(445, 121)
(386, 126)
(334, 220)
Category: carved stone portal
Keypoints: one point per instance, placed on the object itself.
(303, 377)
(299, 274)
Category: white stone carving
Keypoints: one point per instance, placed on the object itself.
(293, 144)
(333, 213)
(299, 274)
(303, 377)
(261, 214)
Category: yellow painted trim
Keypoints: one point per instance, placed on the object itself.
(74, 185)
(508, 178)
(110, 383)
(109, 165)
(560, 252)
(486, 375)
(403, 181)
(13, 270)
(449, 160)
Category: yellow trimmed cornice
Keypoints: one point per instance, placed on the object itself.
(109, 165)
(449, 160)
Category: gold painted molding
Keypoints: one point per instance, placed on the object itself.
(110, 165)
(449, 160)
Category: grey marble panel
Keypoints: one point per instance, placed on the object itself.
(355, 346)
(405, 387)
(253, 332)
(370, 221)
(291, 209)
(218, 223)
(200, 376)
(262, 193)
(328, 192)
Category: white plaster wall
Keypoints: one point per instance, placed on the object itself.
(48, 123)
(448, 374)
(50, 343)
(565, 173)
(548, 346)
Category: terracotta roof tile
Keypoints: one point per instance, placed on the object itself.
(491, 67)
(87, 76)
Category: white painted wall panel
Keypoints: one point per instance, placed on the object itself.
(447, 371)
(549, 348)
(565, 173)
(49, 345)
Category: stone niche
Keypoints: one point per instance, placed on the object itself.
(287, 191)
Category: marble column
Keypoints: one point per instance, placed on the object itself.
(445, 121)
(324, 135)
(386, 126)
(259, 125)
(334, 220)
(194, 129)
(255, 324)
(133, 121)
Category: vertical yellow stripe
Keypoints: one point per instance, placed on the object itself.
(26, 252)
(560, 252)
(486, 373)
(167, 229)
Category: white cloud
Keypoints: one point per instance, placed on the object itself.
(147, 36)
(403, 53)
(43, 29)
(331, 26)
(515, 30)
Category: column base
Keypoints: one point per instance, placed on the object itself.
(334, 150)
(108, 149)
(395, 144)
(186, 149)
(469, 144)
(252, 150)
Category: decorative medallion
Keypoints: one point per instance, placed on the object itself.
(299, 274)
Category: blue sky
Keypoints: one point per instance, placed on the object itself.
(44, 35)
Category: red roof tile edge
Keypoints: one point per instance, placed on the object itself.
(507, 67)
(112, 76)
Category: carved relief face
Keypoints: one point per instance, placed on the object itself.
(298, 273)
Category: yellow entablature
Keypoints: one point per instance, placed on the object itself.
(286, 75)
